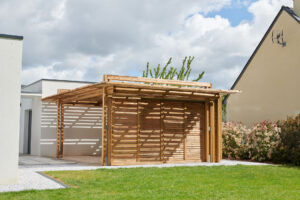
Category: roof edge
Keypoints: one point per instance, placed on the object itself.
(255, 51)
(14, 37)
(58, 80)
(292, 13)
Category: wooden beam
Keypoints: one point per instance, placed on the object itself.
(206, 129)
(83, 96)
(78, 90)
(212, 130)
(109, 78)
(172, 88)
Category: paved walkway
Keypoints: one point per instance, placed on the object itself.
(31, 178)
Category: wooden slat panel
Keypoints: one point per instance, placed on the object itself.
(195, 133)
(174, 129)
(124, 130)
(150, 131)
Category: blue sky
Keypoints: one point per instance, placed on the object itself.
(236, 12)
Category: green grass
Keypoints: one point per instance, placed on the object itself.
(219, 182)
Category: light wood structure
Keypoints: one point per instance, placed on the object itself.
(150, 120)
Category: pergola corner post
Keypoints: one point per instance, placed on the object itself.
(109, 129)
(103, 140)
(212, 131)
(59, 129)
(207, 130)
(218, 136)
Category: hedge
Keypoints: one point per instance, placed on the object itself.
(277, 142)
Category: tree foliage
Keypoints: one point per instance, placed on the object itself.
(170, 72)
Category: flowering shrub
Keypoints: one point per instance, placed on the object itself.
(267, 141)
(257, 143)
(234, 135)
(262, 141)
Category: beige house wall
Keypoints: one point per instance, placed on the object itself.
(271, 83)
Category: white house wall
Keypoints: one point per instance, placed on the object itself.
(10, 81)
(50, 87)
(82, 131)
(82, 135)
(36, 125)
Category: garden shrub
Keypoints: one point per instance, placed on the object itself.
(233, 139)
(289, 149)
(278, 142)
(262, 141)
(257, 143)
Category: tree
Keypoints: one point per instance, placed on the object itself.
(170, 73)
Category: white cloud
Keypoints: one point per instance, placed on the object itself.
(84, 39)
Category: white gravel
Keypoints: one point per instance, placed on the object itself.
(31, 179)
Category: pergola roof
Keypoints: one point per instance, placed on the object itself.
(131, 86)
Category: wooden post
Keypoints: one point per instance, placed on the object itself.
(103, 152)
(185, 131)
(62, 113)
(218, 106)
(212, 131)
(109, 130)
(58, 129)
(138, 133)
(206, 129)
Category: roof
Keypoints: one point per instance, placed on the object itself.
(58, 80)
(136, 86)
(15, 37)
(283, 8)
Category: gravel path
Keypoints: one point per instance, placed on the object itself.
(30, 177)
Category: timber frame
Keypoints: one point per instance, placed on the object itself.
(148, 120)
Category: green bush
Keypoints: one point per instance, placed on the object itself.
(234, 137)
(289, 149)
(277, 142)
(262, 141)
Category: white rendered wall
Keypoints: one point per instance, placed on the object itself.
(51, 87)
(36, 125)
(10, 86)
(82, 131)
(82, 135)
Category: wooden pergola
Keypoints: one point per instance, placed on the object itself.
(148, 120)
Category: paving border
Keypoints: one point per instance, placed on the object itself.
(53, 179)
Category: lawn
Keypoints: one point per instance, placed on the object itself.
(219, 182)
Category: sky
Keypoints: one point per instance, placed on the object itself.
(82, 40)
